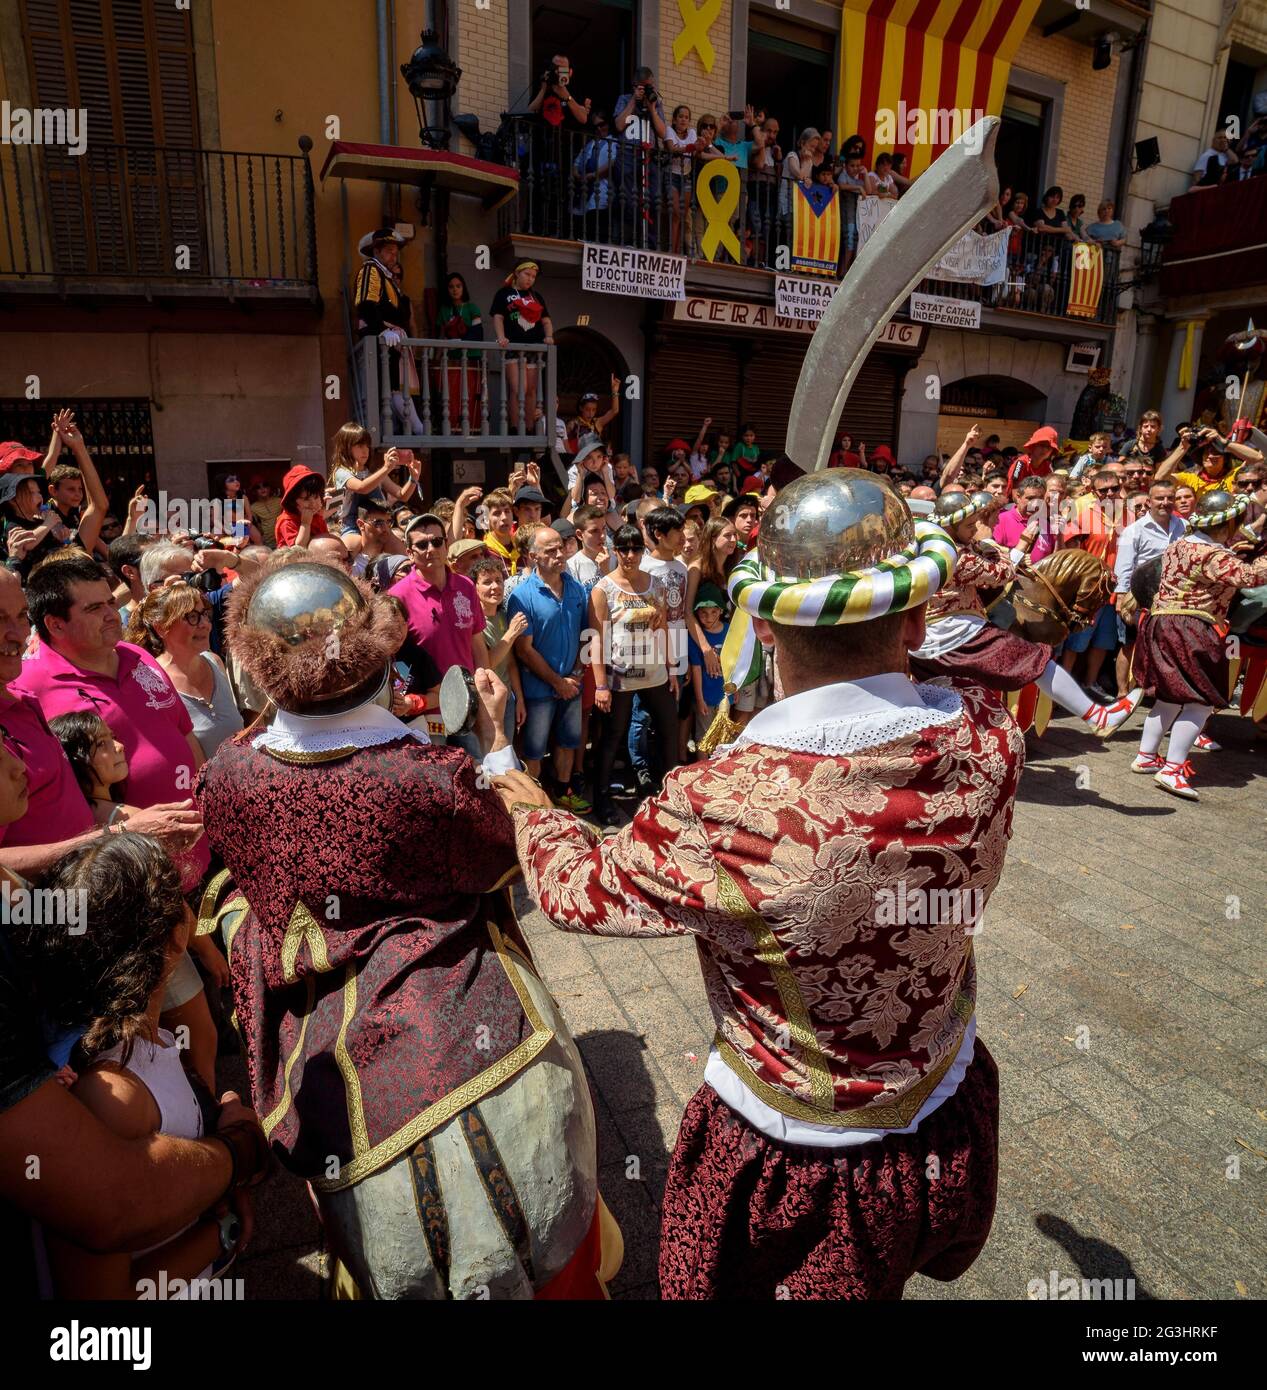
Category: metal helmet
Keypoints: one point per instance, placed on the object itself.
(956, 505)
(984, 500)
(835, 521)
(1216, 509)
(313, 639)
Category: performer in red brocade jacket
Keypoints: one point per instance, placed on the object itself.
(404, 1058)
(832, 867)
(962, 644)
(1182, 656)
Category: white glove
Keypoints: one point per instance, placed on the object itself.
(391, 336)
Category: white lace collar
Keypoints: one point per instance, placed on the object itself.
(852, 715)
(364, 727)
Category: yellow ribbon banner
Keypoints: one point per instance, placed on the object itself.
(695, 26)
(1185, 357)
(718, 211)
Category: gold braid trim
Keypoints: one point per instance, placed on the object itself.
(895, 1114)
(278, 1113)
(441, 1111)
(329, 755)
(770, 954)
(1171, 610)
(347, 1067)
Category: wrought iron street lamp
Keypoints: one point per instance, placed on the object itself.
(432, 78)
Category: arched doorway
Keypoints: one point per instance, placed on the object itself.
(999, 404)
(587, 361)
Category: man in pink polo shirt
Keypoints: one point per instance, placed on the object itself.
(444, 614)
(82, 664)
(58, 817)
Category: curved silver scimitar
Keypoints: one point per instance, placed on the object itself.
(948, 199)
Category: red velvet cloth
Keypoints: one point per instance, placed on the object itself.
(745, 1217)
(389, 850)
(1216, 223)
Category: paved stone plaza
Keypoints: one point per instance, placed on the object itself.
(1125, 1010)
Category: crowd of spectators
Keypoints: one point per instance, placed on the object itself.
(627, 174)
(1229, 160)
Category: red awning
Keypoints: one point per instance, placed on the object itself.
(1220, 239)
(493, 184)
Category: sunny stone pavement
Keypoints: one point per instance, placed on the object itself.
(1123, 1004)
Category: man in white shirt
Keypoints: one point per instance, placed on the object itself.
(1141, 541)
(1205, 174)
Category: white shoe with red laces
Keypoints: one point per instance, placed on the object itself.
(1148, 762)
(1176, 778)
(1206, 745)
(1108, 719)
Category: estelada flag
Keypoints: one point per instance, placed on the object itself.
(1086, 280)
(815, 229)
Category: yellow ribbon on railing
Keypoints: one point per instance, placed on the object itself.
(695, 26)
(718, 211)
(1185, 357)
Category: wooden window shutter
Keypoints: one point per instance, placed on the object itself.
(123, 206)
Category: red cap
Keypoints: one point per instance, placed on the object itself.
(12, 453)
(882, 451)
(677, 444)
(1045, 434)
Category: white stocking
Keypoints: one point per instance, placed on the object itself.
(1184, 731)
(1061, 687)
(403, 408)
(1162, 717)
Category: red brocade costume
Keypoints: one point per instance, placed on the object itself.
(975, 652)
(353, 948)
(390, 1026)
(1181, 654)
(778, 860)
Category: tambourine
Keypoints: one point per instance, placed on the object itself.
(459, 704)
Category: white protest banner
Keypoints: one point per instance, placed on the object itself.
(871, 212)
(802, 299)
(975, 259)
(945, 312)
(642, 274)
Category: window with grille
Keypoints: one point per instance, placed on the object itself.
(135, 193)
(118, 433)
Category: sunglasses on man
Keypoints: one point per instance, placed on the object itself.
(429, 543)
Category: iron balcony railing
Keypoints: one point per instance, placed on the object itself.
(575, 186)
(465, 394)
(121, 215)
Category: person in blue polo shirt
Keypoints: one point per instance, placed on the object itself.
(549, 662)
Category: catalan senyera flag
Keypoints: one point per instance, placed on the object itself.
(934, 57)
(815, 229)
(1086, 281)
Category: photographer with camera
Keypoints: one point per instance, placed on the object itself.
(560, 115)
(554, 102)
(639, 120)
(1212, 453)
